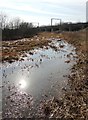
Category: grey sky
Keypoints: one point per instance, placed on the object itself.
(43, 10)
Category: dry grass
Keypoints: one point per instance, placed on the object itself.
(11, 50)
(79, 39)
(74, 104)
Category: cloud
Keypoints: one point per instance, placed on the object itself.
(29, 8)
(45, 9)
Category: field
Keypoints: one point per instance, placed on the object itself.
(74, 103)
(12, 50)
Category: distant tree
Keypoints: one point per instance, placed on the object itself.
(11, 25)
(30, 25)
(24, 25)
(16, 23)
(3, 20)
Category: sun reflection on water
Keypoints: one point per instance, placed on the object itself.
(22, 83)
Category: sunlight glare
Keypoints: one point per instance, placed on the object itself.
(22, 84)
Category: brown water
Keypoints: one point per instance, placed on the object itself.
(39, 76)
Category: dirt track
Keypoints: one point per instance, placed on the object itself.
(74, 104)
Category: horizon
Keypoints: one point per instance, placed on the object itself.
(41, 12)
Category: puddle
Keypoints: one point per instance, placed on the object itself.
(39, 76)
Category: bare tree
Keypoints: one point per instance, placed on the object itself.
(17, 22)
(14, 23)
(3, 20)
(11, 24)
(31, 25)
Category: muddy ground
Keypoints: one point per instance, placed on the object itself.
(12, 50)
(74, 103)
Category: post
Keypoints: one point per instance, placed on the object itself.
(52, 21)
(51, 25)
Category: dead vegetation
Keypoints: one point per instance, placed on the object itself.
(74, 103)
(12, 50)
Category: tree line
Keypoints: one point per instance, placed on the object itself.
(17, 29)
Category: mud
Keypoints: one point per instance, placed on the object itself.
(73, 104)
(39, 75)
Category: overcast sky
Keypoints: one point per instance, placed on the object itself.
(43, 10)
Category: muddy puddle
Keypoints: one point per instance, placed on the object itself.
(39, 75)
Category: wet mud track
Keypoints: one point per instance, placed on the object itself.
(38, 75)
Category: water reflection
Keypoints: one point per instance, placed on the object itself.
(38, 76)
(22, 83)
